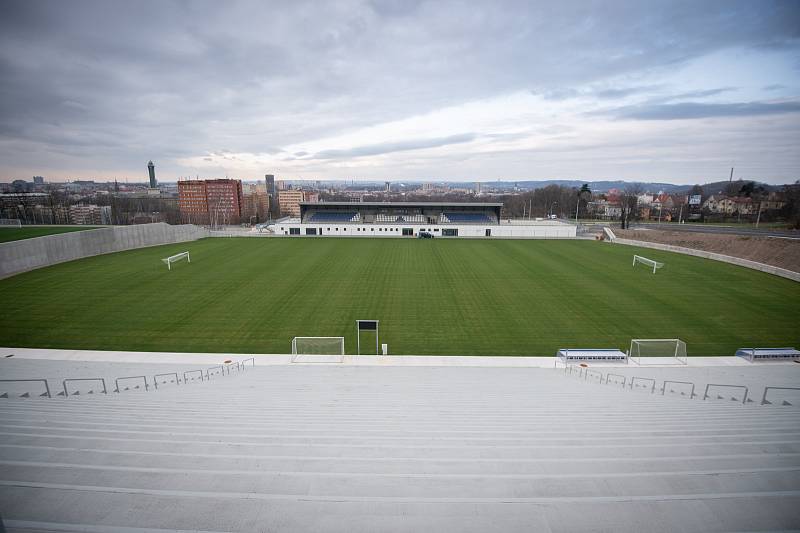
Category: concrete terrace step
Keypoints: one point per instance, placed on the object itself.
(552, 464)
(403, 449)
(425, 485)
(57, 429)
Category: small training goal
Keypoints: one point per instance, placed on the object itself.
(649, 262)
(12, 222)
(177, 257)
(658, 351)
(317, 346)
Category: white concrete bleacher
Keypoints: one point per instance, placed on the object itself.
(373, 448)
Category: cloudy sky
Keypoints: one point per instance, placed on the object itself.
(401, 89)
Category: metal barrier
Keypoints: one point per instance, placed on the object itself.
(634, 378)
(251, 359)
(46, 386)
(664, 388)
(764, 398)
(144, 378)
(624, 380)
(177, 381)
(744, 400)
(102, 380)
(594, 373)
(208, 371)
(192, 372)
(228, 366)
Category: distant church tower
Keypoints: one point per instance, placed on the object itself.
(151, 169)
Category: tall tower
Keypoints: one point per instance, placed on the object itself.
(274, 207)
(151, 169)
(270, 180)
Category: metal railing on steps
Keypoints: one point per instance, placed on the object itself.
(670, 385)
(157, 378)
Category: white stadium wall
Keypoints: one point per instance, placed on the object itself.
(543, 230)
(29, 254)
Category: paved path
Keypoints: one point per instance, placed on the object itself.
(727, 230)
(363, 360)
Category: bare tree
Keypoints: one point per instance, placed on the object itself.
(628, 200)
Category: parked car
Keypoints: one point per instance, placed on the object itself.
(424, 235)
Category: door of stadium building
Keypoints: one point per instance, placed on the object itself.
(408, 232)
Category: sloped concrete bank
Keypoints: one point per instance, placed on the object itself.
(29, 254)
(777, 271)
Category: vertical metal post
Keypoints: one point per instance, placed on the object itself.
(358, 336)
(377, 351)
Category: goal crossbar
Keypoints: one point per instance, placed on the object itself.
(648, 262)
(177, 257)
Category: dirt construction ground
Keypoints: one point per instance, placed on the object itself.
(784, 253)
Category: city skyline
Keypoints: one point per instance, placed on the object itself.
(678, 92)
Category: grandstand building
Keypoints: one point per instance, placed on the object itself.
(409, 219)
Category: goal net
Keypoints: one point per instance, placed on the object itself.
(318, 346)
(177, 257)
(655, 265)
(674, 349)
(13, 222)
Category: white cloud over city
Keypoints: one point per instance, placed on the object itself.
(677, 91)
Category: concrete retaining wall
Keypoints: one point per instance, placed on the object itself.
(769, 269)
(29, 254)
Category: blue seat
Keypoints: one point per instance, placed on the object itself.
(469, 218)
(326, 218)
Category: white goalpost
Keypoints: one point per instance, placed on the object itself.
(649, 262)
(177, 257)
(12, 222)
(317, 346)
(662, 348)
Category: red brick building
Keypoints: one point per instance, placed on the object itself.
(216, 202)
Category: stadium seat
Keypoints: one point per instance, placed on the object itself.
(467, 218)
(325, 218)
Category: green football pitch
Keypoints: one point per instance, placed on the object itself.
(466, 297)
(11, 233)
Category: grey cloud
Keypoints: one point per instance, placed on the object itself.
(599, 92)
(695, 110)
(701, 94)
(623, 92)
(399, 146)
(151, 79)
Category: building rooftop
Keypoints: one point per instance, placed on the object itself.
(406, 204)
